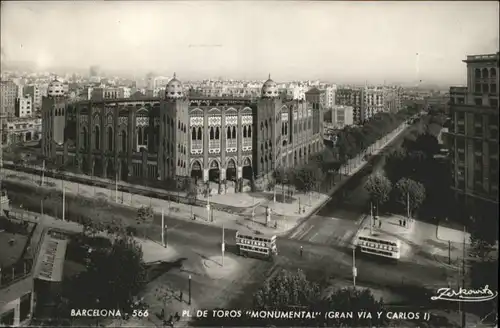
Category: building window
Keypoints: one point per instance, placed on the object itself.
(493, 73)
(485, 73)
(110, 138)
(493, 88)
(124, 141)
(7, 318)
(478, 101)
(97, 137)
(477, 88)
(25, 307)
(494, 102)
(485, 88)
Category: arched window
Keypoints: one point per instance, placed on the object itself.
(124, 141)
(199, 134)
(244, 132)
(234, 132)
(485, 73)
(212, 133)
(157, 136)
(193, 134)
(139, 136)
(477, 73)
(493, 73)
(249, 131)
(217, 133)
(146, 136)
(85, 138)
(97, 137)
(110, 138)
(228, 132)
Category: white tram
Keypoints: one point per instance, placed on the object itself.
(380, 246)
(256, 245)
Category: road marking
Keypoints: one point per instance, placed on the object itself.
(314, 236)
(304, 233)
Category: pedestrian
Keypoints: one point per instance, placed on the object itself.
(181, 298)
(177, 316)
(400, 224)
(301, 251)
(379, 224)
(404, 223)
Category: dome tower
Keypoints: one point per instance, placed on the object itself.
(173, 89)
(55, 89)
(270, 89)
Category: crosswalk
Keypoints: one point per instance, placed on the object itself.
(333, 231)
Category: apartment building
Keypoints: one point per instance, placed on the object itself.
(35, 92)
(342, 116)
(473, 136)
(330, 92)
(24, 107)
(348, 96)
(8, 94)
(373, 101)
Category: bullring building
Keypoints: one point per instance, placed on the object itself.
(177, 136)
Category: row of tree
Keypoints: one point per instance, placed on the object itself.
(411, 171)
(350, 142)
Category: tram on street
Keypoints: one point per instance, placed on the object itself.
(259, 246)
(375, 244)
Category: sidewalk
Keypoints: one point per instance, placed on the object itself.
(284, 216)
(453, 235)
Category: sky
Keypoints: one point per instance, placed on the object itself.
(348, 42)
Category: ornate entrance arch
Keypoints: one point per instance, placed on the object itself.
(231, 170)
(247, 169)
(196, 170)
(214, 171)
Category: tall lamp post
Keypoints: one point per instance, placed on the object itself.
(371, 218)
(354, 269)
(63, 201)
(189, 290)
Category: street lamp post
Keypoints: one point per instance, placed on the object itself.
(371, 218)
(63, 201)
(189, 290)
(208, 205)
(162, 228)
(223, 245)
(354, 269)
(253, 207)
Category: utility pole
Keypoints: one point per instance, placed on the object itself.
(223, 245)
(43, 173)
(408, 207)
(371, 218)
(162, 228)
(463, 278)
(208, 205)
(63, 201)
(354, 269)
(189, 290)
(253, 207)
(116, 188)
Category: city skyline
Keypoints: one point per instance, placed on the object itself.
(346, 42)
